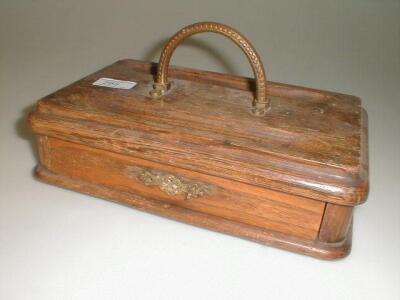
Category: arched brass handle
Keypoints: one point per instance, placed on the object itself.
(161, 84)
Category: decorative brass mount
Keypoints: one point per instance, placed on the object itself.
(162, 85)
(171, 184)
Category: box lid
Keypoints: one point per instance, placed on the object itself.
(310, 143)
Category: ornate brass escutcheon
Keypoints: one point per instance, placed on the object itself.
(171, 184)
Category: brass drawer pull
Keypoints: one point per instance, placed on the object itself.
(161, 85)
(171, 184)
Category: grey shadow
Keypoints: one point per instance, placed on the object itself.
(23, 131)
(226, 63)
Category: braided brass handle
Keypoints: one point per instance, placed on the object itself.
(161, 84)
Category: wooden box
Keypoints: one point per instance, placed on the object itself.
(273, 163)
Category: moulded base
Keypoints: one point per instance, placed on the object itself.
(313, 248)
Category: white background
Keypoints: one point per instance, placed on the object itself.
(57, 244)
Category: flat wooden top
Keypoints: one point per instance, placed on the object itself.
(311, 143)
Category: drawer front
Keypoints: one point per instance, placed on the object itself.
(216, 196)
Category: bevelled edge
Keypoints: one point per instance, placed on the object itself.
(355, 192)
(43, 123)
(313, 248)
(358, 193)
(361, 188)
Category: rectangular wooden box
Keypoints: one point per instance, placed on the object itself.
(289, 178)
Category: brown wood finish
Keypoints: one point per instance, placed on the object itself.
(235, 201)
(312, 248)
(208, 128)
(336, 223)
(288, 179)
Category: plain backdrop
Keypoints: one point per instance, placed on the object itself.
(58, 244)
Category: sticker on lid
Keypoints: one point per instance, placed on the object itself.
(114, 83)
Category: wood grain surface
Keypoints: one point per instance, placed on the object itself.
(336, 223)
(312, 248)
(232, 200)
(288, 179)
(310, 143)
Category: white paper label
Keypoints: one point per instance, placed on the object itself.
(114, 83)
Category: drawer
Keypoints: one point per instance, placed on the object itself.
(232, 200)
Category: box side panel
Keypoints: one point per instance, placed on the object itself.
(335, 223)
(279, 212)
(284, 241)
(216, 157)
